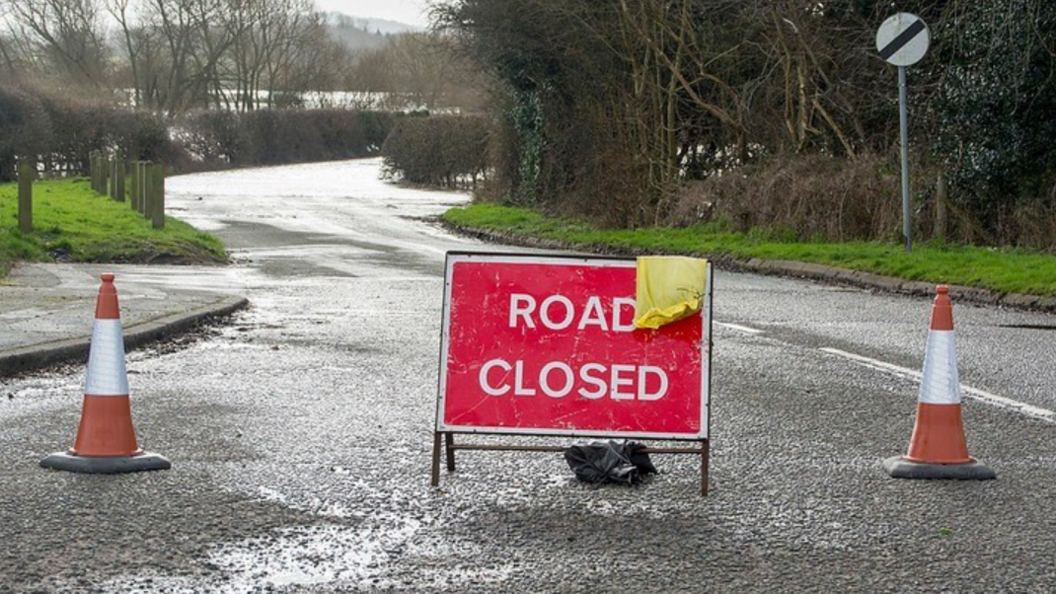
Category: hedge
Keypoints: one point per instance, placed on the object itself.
(60, 134)
(441, 151)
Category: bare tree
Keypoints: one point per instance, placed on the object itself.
(178, 55)
(119, 10)
(67, 34)
(418, 70)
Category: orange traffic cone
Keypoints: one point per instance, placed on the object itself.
(106, 440)
(938, 449)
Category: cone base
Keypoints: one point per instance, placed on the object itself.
(900, 467)
(105, 465)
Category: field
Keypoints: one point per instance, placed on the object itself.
(72, 223)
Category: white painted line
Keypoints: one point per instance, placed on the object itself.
(1035, 412)
(417, 246)
(739, 328)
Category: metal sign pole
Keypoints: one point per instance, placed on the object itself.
(904, 125)
(902, 40)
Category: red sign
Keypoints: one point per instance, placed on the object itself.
(546, 345)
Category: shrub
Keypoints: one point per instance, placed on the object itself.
(214, 137)
(25, 129)
(810, 197)
(270, 137)
(442, 151)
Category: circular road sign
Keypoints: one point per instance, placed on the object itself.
(903, 39)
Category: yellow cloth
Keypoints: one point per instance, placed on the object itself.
(669, 288)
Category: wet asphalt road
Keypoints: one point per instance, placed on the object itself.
(300, 437)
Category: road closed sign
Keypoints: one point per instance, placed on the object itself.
(546, 345)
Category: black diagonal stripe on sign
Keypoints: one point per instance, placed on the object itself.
(902, 39)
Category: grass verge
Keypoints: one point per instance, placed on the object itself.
(73, 223)
(998, 269)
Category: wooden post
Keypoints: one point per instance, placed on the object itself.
(148, 187)
(147, 183)
(133, 169)
(104, 174)
(139, 187)
(91, 171)
(139, 190)
(137, 167)
(117, 185)
(157, 209)
(111, 190)
(25, 195)
(98, 175)
(941, 195)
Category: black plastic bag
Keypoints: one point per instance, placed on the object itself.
(618, 463)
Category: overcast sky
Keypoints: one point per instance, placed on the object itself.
(412, 12)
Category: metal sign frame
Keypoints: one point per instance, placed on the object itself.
(443, 434)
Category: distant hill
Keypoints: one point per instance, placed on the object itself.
(385, 26)
(359, 34)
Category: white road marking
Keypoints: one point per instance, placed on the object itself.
(739, 328)
(416, 246)
(1035, 412)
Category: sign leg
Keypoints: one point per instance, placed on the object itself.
(705, 455)
(436, 460)
(449, 442)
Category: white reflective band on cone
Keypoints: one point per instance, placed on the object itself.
(940, 384)
(106, 361)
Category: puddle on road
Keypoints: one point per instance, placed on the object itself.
(310, 556)
(324, 558)
(342, 558)
(362, 551)
(24, 394)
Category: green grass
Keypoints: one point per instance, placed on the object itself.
(1002, 270)
(69, 218)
